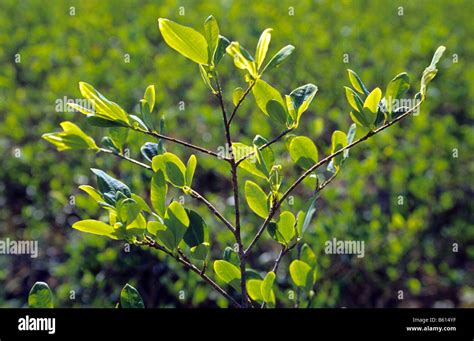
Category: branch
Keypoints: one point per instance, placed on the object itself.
(274, 208)
(235, 187)
(240, 102)
(183, 143)
(214, 210)
(129, 159)
(153, 244)
(265, 145)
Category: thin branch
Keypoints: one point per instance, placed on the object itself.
(183, 143)
(265, 145)
(214, 210)
(153, 244)
(235, 187)
(240, 102)
(129, 159)
(274, 208)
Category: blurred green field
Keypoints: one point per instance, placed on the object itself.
(409, 247)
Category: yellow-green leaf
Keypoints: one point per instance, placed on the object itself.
(303, 152)
(256, 199)
(95, 227)
(262, 47)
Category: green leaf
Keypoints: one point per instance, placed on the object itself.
(357, 82)
(149, 97)
(254, 290)
(103, 108)
(190, 168)
(231, 256)
(128, 210)
(339, 141)
(184, 40)
(177, 221)
(119, 136)
(350, 138)
(284, 231)
(211, 33)
(430, 72)
(302, 274)
(149, 150)
(95, 227)
(158, 191)
(172, 167)
(130, 298)
(221, 49)
(40, 296)
(71, 138)
(266, 287)
(140, 201)
(262, 47)
(371, 105)
(93, 193)
(303, 152)
(228, 273)
(110, 187)
(256, 199)
(307, 255)
(197, 232)
(397, 87)
(301, 98)
(279, 58)
(237, 95)
(264, 94)
(201, 251)
(305, 216)
(354, 100)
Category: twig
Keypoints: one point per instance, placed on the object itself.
(214, 210)
(129, 159)
(183, 143)
(152, 243)
(240, 102)
(274, 208)
(235, 187)
(265, 145)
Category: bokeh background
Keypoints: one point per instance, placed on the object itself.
(408, 247)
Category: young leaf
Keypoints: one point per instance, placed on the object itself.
(430, 72)
(397, 87)
(266, 287)
(128, 210)
(158, 191)
(177, 221)
(308, 256)
(190, 168)
(354, 100)
(254, 289)
(242, 59)
(185, 40)
(72, 138)
(93, 193)
(149, 97)
(201, 251)
(371, 105)
(303, 152)
(95, 227)
(301, 98)
(119, 136)
(305, 216)
(357, 82)
(262, 47)
(228, 273)
(40, 296)
(172, 167)
(130, 298)
(350, 138)
(339, 141)
(211, 33)
(221, 49)
(279, 58)
(302, 274)
(103, 108)
(256, 199)
(237, 95)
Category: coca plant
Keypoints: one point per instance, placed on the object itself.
(182, 233)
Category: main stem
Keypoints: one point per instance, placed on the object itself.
(235, 186)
